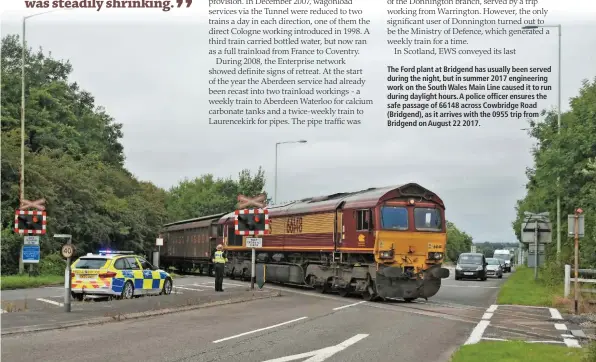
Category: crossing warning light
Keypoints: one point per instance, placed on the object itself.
(30, 222)
(252, 222)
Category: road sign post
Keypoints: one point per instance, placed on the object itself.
(536, 229)
(24, 223)
(67, 252)
(577, 220)
(253, 243)
(159, 243)
(252, 222)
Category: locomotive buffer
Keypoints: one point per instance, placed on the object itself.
(252, 222)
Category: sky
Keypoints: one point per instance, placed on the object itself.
(149, 70)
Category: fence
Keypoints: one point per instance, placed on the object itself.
(581, 272)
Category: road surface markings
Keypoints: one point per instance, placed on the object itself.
(492, 308)
(193, 289)
(571, 343)
(505, 340)
(468, 286)
(555, 314)
(477, 332)
(207, 285)
(311, 294)
(50, 302)
(323, 353)
(522, 306)
(349, 305)
(560, 326)
(259, 330)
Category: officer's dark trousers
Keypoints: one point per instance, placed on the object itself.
(219, 272)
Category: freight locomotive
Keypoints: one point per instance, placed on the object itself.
(386, 242)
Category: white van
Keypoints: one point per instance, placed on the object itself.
(506, 257)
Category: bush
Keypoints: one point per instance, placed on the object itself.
(52, 264)
(590, 353)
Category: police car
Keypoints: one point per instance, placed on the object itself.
(117, 274)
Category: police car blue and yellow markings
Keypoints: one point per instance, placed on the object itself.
(115, 280)
(151, 280)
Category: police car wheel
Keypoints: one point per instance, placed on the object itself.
(128, 290)
(167, 287)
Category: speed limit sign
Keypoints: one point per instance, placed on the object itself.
(67, 250)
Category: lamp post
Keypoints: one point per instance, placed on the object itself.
(22, 173)
(276, 146)
(558, 26)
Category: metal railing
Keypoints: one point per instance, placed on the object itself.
(585, 276)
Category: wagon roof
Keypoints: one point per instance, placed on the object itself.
(359, 199)
(192, 223)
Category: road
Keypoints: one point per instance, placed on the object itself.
(299, 322)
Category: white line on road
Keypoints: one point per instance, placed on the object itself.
(487, 316)
(477, 333)
(553, 342)
(349, 305)
(50, 302)
(469, 286)
(505, 340)
(522, 306)
(560, 326)
(193, 289)
(259, 330)
(492, 308)
(571, 342)
(567, 335)
(205, 285)
(555, 314)
(323, 353)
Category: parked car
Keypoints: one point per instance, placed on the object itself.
(494, 268)
(471, 266)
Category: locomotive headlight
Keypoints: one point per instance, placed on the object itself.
(435, 256)
(386, 254)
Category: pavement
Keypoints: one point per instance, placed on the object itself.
(300, 322)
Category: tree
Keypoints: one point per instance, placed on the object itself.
(73, 159)
(206, 195)
(570, 155)
(457, 242)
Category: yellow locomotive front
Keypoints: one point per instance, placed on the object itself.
(410, 242)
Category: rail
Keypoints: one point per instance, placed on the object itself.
(570, 278)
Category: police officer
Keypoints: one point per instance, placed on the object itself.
(219, 260)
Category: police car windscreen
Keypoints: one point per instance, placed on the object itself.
(90, 263)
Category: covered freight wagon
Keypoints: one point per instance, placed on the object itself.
(190, 244)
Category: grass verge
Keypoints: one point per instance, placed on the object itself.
(516, 351)
(25, 281)
(521, 288)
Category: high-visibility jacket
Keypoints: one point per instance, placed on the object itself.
(219, 258)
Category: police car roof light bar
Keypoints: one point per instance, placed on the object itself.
(115, 252)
